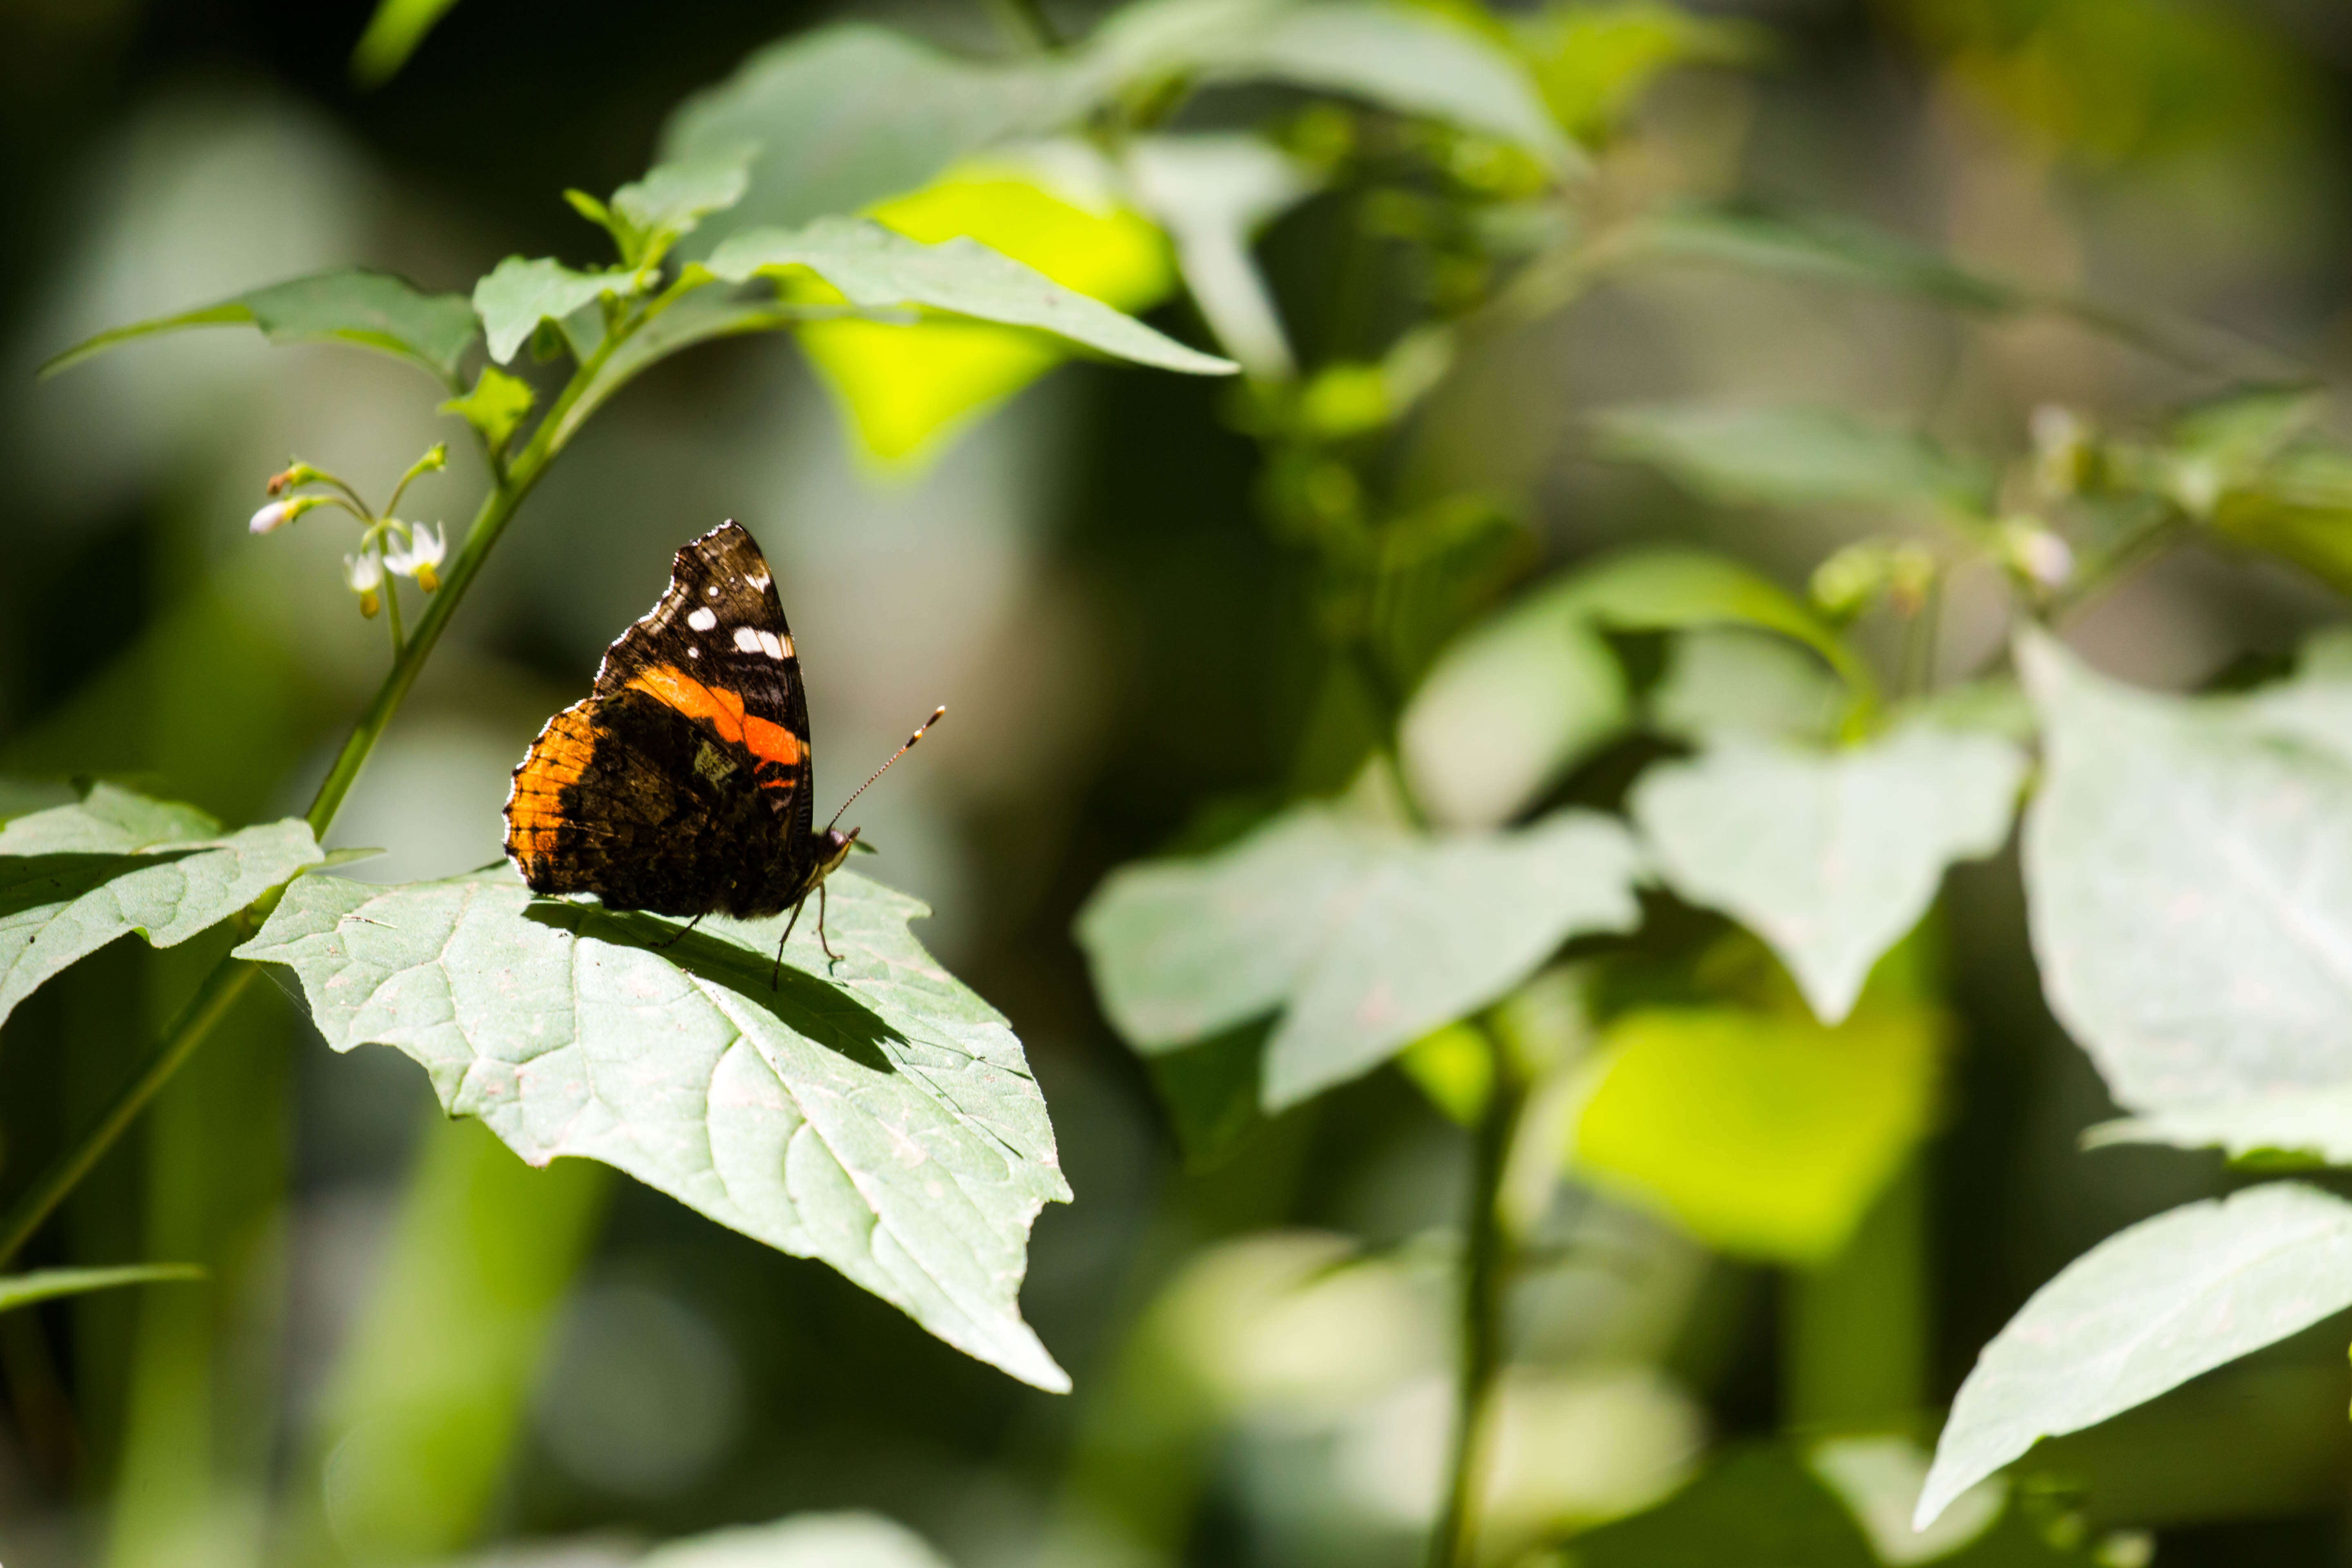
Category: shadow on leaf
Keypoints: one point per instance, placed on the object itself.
(30, 881)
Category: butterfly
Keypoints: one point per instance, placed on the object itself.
(682, 787)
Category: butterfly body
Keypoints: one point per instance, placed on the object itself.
(682, 787)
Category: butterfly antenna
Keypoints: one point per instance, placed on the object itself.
(937, 714)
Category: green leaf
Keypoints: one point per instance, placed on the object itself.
(1508, 709)
(697, 317)
(1879, 1477)
(851, 114)
(46, 1284)
(876, 268)
(2189, 872)
(1829, 857)
(495, 407)
(1793, 457)
(1213, 194)
(518, 294)
(373, 310)
(1759, 1508)
(1211, 1093)
(1730, 681)
(1829, 250)
(2142, 1312)
(1762, 1134)
(804, 1541)
(391, 36)
(75, 877)
(1367, 937)
(1594, 62)
(674, 196)
(882, 1119)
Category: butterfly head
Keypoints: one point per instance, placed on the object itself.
(832, 849)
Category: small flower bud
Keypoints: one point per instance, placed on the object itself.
(2032, 551)
(2065, 458)
(370, 602)
(1844, 585)
(273, 516)
(2195, 486)
(297, 472)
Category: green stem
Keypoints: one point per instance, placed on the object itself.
(1488, 1264)
(207, 1007)
(391, 612)
(1920, 636)
(229, 977)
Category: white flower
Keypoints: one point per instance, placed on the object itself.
(274, 516)
(422, 556)
(2036, 552)
(364, 572)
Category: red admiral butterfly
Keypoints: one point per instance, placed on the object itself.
(682, 787)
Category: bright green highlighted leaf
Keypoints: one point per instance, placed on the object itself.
(495, 407)
(851, 114)
(1792, 456)
(391, 36)
(46, 1284)
(518, 294)
(804, 1541)
(373, 310)
(2189, 871)
(1764, 1135)
(877, 269)
(1829, 857)
(75, 877)
(2142, 1312)
(881, 1118)
(1367, 936)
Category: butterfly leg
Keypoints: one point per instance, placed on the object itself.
(680, 935)
(831, 957)
(776, 975)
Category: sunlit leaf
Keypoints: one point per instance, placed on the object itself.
(851, 114)
(48, 1284)
(907, 387)
(2142, 1312)
(1829, 857)
(1726, 680)
(2189, 871)
(75, 877)
(371, 309)
(391, 36)
(1763, 1134)
(1212, 194)
(1792, 456)
(1879, 1478)
(1366, 937)
(1594, 62)
(881, 1119)
(676, 196)
(802, 1540)
(517, 295)
(496, 407)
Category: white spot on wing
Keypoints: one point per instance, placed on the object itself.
(747, 638)
(711, 592)
(694, 653)
(759, 581)
(774, 648)
(703, 619)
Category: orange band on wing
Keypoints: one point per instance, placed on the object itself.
(723, 712)
(534, 808)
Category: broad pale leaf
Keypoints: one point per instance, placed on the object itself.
(1829, 857)
(2142, 1312)
(2291, 1127)
(1764, 1135)
(804, 1541)
(1728, 681)
(1367, 937)
(1213, 194)
(852, 114)
(2188, 868)
(1793, 455)
(881, 1119)
(48, 1284)
(518, 294)
(371, 309)
(874, 267)
(75, 877)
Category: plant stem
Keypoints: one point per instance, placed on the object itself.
(207, 1007)
(229, 977)
(391, 612)
(1489, 1260)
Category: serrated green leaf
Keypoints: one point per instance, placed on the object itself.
(676, 195)
(2141, 1313)
(517, 295)
(1793, 457)
(1213, 194)
(48, 1284)
(882, 1119)
(1366, 937)
(496, 407)
(804, 1541)
(1829, 857)
(877, 269)
(75, 877)
(371, 309)
(851, 114)
(2189, 872)
(1763, 1135)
